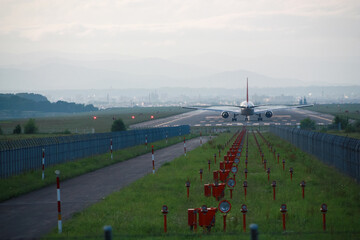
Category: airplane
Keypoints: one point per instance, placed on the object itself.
(247, 109)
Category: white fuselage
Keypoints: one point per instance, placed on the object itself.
(247, 108)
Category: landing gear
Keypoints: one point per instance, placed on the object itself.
(246, 119)
(234, 119)
(259, 118)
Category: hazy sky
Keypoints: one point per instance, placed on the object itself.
(165, 28)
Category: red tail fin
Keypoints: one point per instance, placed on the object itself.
(247, 90)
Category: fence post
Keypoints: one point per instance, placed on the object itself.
(107, 232)
(254, 232)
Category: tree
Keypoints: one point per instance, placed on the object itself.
(17, 129)
(118, 125)
(340, 120)
(307, 124)
(30, 127)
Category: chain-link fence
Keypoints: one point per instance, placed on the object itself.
(340, 152)
(18, 156)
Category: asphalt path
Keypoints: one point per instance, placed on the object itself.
(35, 214)
(202, 118)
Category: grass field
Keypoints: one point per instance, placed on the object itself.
(30, 181)
(84, 122)
(134, 212)
(352, 111)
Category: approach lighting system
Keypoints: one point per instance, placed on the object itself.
(236, 160)
(234, 169)
(152, 116)
(94, 117)
(132, 117)
(224, 206)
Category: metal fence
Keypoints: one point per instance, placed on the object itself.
(19, 156)
(340, 152)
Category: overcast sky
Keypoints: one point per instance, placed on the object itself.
(164, 28)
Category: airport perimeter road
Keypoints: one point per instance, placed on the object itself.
(213, 119)
(35, 214)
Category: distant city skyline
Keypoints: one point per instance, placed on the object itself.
(63, 44)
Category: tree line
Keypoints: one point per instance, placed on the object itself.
(12, 102)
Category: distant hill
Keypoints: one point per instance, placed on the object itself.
(13, 105)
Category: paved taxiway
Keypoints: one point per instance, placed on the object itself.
(32, 215)
(201, 118)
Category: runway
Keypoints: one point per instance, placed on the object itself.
(202, 118)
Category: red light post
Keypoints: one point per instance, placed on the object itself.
(231, 184)
(265, 164)
(278, 156)
(246, 172)
(165, 212)
(201, 172)
(246, 163)
(302, 185)
(187, 187)
(268, 172)
(291, 170)
(324, 209)
(245, 184)
(273, 184)
(283, 210)
(244, 211)
(209, 164)
(224, 207)
(215, 158)
(283, 161)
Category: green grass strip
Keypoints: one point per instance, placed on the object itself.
(135, 211)
(30, 181)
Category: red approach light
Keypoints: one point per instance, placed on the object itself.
(152, 116)
(95, 117)
(133, 117)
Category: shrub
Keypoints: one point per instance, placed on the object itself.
(17, 129)
(350, 128)
(307, 124)
(30, 127)
(118, 125)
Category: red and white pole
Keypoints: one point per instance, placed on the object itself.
(111, 149)
(57, 172)
(43, 164)
(146, 142)
(184, 147)
(153, 158)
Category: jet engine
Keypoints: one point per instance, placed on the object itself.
(225, 114)
(268, 114)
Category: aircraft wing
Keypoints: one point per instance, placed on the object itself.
(230, 109)
(264, 108)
